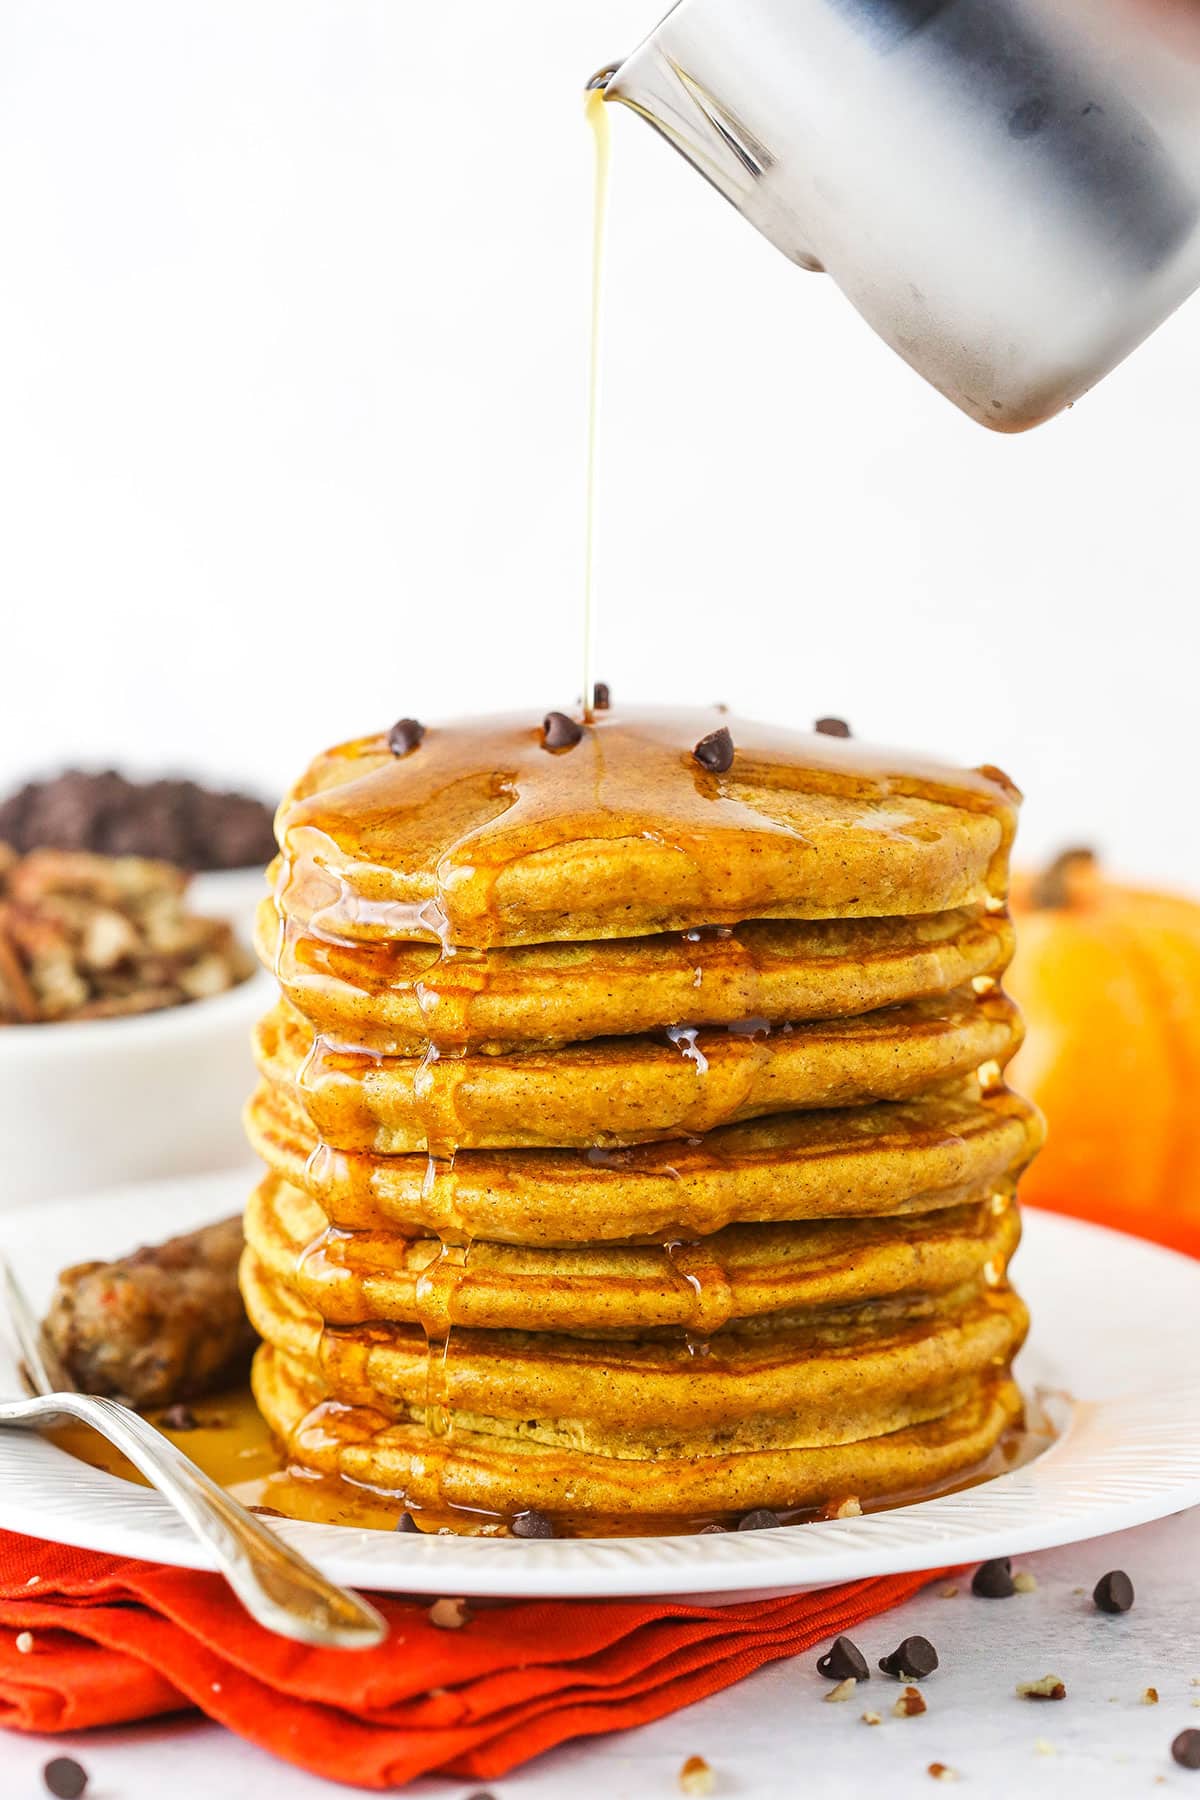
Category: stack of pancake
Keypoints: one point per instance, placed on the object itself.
(634, 1114)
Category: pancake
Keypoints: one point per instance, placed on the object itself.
(397, 997)
(480, 836)
(946, 1148)
(739, 1273)
(634, 1120)
(622, 1091)
(476, 1472)
(793, 1383)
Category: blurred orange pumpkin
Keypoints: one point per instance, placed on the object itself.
(1109, 980)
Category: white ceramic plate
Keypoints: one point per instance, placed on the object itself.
(1114, 1334)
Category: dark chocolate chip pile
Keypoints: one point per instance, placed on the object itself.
(715, 752)
(911, 1661)
(994, 1580)
(172, 821)
(843, 1661)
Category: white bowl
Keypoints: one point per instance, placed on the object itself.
(90, 1103)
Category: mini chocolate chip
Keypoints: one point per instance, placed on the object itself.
(1113, 1593)
(601, 696)
(994, 1580)
(715, 752)
(911, 1661)
(843, 1661)
(761, 1519)
(180, 1418)
(833, 728)
(1186, 1749)
(404, 736)
(406, 1522)
(532, 1525)
(559, 732)
(66, 1779)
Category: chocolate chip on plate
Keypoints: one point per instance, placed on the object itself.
(713, 1530)
(1186, 1749)
(843, 1660)
(1113, 1593)
(532, 1524)
(406, 1522)
(601, 696)
(761, 1519)
(715, 752)
(404, 736)
(911, 1661)
(833, 728)
(560, 732)
(180, 1418)
(66, 1779)
(994, 1580)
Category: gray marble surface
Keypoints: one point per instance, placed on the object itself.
(772, 1737)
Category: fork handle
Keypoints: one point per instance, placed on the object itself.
(279, 1588)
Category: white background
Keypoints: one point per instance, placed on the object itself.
(292, 382)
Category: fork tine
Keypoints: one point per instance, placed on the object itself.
(41, 1366)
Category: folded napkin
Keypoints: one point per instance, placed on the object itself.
(115, 1640)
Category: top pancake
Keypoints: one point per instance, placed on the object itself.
(481, 837)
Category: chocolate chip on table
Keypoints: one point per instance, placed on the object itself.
(994, 1580)
(180, 1418)
(532, 1524)
(601, 696)
(833, 728)
(404, 736)
(66, 1779)
(842, 1660)
(761, 1519)
(1186, 1749)
(911, 1661)
(560, 732)
(406, 1522)
(715, 752)
(1113, 1593)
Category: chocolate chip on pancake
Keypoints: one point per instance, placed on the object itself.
(601, 696)
(404, 736)
(833, 728)
(559, 732)
(533, 1524)
(715, 752)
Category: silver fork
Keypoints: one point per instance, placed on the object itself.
(278, 1587)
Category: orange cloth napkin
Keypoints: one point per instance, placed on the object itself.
(116, 1640)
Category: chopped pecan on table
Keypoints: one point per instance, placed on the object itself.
(159, 1327)
(91, 937)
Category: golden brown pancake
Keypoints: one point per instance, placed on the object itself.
(396, 997)
(739, 1273)
(944, 1148)
(630, 1090)
(813, 1379)
(481, 836)
(483, 1472)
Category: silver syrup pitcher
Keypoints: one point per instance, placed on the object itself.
(1007, 190)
